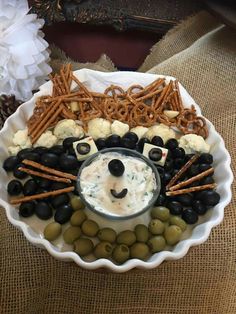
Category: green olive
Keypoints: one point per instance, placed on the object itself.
(160, 212)
(139, 250)
(78, 218)
(107, 234)
(103, 250)
(76, 203)
(126, 237)
(90, 228)
(175, 220)
(156, 226)
(52, 231)
(71, 234)
(83, 246)
(141, 232)
(172, 234)
(120, 253)
(157, 243)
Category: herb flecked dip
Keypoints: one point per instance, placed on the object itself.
(96, 183)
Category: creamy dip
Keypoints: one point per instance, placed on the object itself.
(96, 183)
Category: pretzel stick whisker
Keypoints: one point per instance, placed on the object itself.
(49, 170)
(44, 175)
(41, 195)
(192, 189)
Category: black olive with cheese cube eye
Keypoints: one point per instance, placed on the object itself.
(84, 148)
(156, 154)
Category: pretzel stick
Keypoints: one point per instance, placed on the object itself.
(163, 96)
(45, 115)
(46, 125)
(45, 118)
(182, 170)
(180, 103)
(41, 195)
(158, 91)
(62, 73)
(191, 180)
(192, 189)
(44, 175)
(74, 78)
(49, 170)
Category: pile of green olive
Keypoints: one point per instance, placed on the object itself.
(163, 229)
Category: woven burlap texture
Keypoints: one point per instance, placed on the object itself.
(204, 281)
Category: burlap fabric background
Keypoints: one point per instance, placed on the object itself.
(203, 57)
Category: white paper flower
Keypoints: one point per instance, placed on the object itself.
(23, 54)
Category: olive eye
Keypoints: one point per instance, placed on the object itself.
(116, 167)
(155, 154)
(83, 148)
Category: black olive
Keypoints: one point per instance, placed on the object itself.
(178, 163)
(10, 163)
(69, 141)
(32, 156)
(190, 216)
(49, 160)
(176, 208)
(57, 149)
(160, 170)
(71, 151)
(68, 162)
(198, 207)
(41, 191)
(63, 214)
(206, 158)
(83, 148)
(14, 187)
(178, 152)
(132, 136)
(58, 186)
(18, 173)
(127, 143)
(59, 200)
(203, 167)
(188, 157)
(113, 141)
(185, 199)
(43, 210)
(166, 177)
(43, 182)
(207, 180)
(116, 167)
(30, 187)
(193, 170)
(171, 144)
(209, 197)
(161, 201)
(157, 141)
(142, 142)
(100, 143)
(27, 209)
(155, 154)
(120, 194)
(40, 150)
(23, 153)
(169, 164)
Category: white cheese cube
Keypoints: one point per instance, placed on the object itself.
(146, 149)
(93, 148)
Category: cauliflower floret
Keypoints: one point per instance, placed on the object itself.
(119, 128)
(67, 128)
(192, 143)
(47, 139)
(161, 130)
(22, 139)
(139, 131)
(99, 127)
(13, 150)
